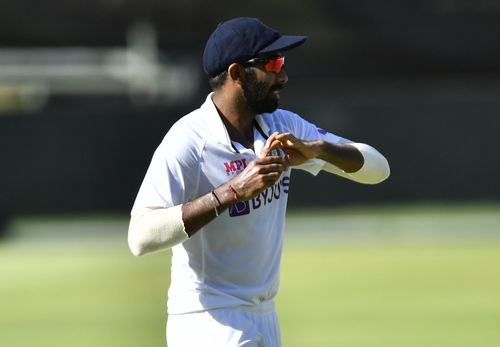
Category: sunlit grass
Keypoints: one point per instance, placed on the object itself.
(378, 277)
(380, 295)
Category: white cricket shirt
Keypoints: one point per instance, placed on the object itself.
(235, 259)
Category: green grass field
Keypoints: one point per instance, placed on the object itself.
(366, 277)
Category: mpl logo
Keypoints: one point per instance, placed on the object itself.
(235, 166)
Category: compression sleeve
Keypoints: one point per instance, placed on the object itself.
(155, 229)
(374, 170)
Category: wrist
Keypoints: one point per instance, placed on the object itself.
(316, 148)
(227, 195)
(235, 193)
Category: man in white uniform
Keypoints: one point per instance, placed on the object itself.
(217, 188)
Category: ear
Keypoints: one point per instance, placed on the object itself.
(235, 72)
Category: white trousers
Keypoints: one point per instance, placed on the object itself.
(225, 327)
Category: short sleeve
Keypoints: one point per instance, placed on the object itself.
(172, 176)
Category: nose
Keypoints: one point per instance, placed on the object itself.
(282, 77)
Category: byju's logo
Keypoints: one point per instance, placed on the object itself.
(239, 209)
(235, 166)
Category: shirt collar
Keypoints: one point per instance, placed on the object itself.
(215, 124)
(260, 121)
(217, 127)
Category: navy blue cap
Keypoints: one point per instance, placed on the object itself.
(242, 39)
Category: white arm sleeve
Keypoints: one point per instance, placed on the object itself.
(374, 170)
(155, 229)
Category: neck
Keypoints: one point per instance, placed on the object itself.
(237, 118)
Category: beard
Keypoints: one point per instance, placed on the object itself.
(259, 97)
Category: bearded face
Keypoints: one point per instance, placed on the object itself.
(260, 97)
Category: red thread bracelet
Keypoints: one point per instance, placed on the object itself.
(236, 197)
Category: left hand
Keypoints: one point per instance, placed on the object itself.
(297, 151)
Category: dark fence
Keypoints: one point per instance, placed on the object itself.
(439, 136)
(420, 82)
(78, 160)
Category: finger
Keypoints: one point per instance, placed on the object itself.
(270, 178)
(274, 144)
(275, 167)
(272, 137)
(270, 145)
(278, 167)
(288, 163)
(284, 136)
(269, 160)
(287, 139)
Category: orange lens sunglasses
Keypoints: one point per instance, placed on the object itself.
(274, 64)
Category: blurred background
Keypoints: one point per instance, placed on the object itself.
(88, 90)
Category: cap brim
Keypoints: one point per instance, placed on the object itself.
(284, 43)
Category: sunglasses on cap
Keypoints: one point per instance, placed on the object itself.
(273, 64)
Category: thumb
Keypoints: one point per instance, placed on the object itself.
(269, 147)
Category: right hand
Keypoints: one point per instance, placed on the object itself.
(257, 176)
(260, 173)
